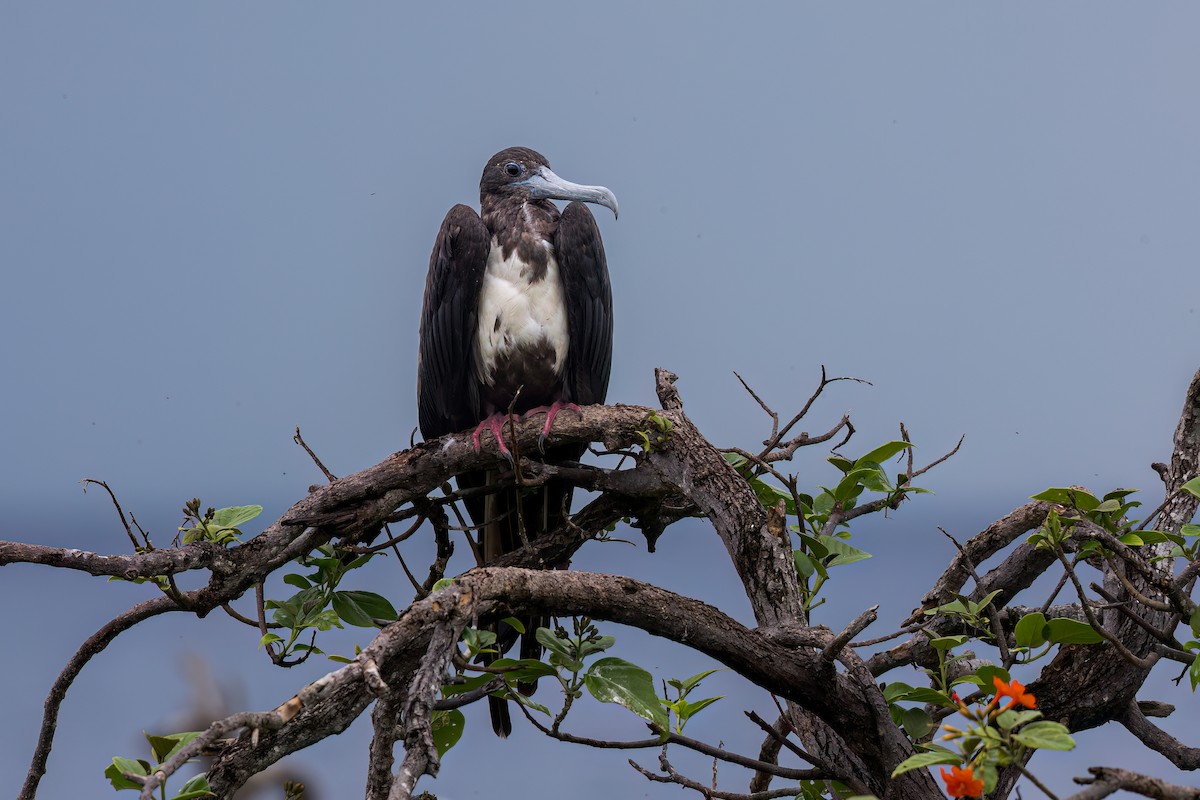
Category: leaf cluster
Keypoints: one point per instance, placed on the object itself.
(123, 773)
(215, 525)
(994, 737)
(319, 605)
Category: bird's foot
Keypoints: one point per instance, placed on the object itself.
(551, 412)
(495, 424)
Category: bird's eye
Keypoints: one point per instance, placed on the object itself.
(513, 168)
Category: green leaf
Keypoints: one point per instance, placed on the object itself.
(125, 765)
(466, 684)
(919, 760)
(235, 515)
(1009, 719)
(850, 486)
(875, 477)
(1031, 630)
(991, 776)
(596, 645)
(529, 703)
(1194, 622)
(947, 642)
(478, 640)
(299, 581)
(447, 727)
(841, 552)
(1078, 498)
(566, 662)
(692, 709)
(983, 602)
(923, 694)
(194, 788)
(813, 546)
(1045, 735)
(361, 609)
(548, 640)
(823, 504)
(1132, 539)
(953, 607)
(804, 564)
(844, 464)
(1068, 631)
(1108, 506)
(615, 680)
(884, 452)
(526, 670)
(917, 723)
(1192, 487)
(769, 495)
(376, 605)
(1189, 530)
(988, 673)
(163, 747)
(688, 684)
(736, 460)
(1157, 537)
(159, 746)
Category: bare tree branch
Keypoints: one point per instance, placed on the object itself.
(94, 645)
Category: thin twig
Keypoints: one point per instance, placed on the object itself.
(253, 623)
(856, 626)
(1006, 657)
(1033, 779)
(298, 439)
(1140, 663)
(709, 794)
(112, 495)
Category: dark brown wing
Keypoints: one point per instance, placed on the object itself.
(447, 387)
(448, 391)
(588, 296)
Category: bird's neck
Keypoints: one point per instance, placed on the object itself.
(519, 216)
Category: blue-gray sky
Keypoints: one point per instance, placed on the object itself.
(215, 221)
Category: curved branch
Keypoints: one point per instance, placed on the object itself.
(166, 561)
(719, 753)
(1108, 780)
(58, 692)
(709, 793)
(1159, 740)
(798, 674)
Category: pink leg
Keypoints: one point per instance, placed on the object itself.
(495, 424)
(551, 412)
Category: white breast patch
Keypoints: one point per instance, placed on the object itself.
(516, 315)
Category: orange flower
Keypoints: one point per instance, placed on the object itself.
(962, 782)
(1015, 691)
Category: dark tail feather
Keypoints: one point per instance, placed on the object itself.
(501, 718)
(541, 510)
(530, 648)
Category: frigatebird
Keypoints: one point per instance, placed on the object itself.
(517, 319)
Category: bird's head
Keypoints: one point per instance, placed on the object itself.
(525, 174)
